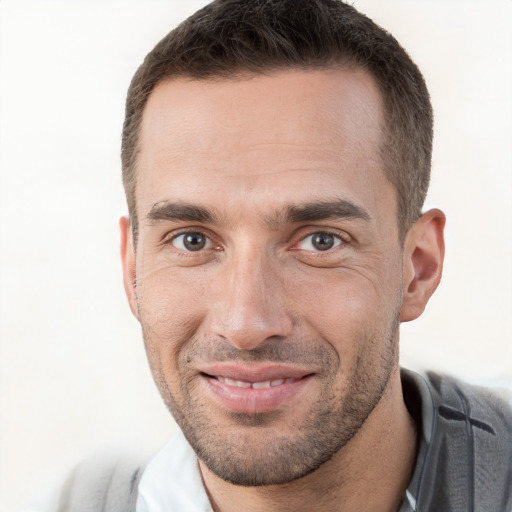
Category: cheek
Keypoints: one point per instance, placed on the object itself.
(348, 306)
(171, 307)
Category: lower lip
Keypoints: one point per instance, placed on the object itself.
(251, 400)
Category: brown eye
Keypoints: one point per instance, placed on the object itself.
(320, 242)
(191, 242)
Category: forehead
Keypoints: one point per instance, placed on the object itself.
(313, 108)
(297, 132)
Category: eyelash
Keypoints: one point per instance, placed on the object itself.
(337, 237)
(168, 240)
(342, 238)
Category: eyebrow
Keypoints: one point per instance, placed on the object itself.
(166, 210)
(306, 212)
(325, 210)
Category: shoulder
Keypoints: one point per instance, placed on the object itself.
(457, 400)
(465, 451)
(102, 483)
(482, 407)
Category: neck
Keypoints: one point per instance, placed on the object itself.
(371, 472)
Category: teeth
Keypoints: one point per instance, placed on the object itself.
(234, 383)
(255, 385)
(259, 385)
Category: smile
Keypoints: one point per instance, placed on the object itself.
(252, 390)
(255, 385)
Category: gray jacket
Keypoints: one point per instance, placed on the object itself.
(464, 460)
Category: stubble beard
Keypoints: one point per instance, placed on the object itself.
(254, 452)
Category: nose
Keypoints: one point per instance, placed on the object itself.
(250, 305)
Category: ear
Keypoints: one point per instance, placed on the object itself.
(423, 263)
(129, 264)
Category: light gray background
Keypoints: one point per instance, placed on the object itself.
(73, 375)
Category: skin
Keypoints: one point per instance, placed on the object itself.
(237, 161)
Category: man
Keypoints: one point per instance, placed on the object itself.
(276, 156)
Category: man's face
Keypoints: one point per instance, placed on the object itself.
(268, 265)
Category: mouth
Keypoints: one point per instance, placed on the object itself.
(254, 390)
(255, 385)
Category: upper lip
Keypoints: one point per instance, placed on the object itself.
(255, 372)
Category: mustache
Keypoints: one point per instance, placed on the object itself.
(303, 352)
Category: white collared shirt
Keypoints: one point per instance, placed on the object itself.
(172, 481)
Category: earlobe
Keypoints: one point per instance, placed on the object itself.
(423, 263)
(129, 263)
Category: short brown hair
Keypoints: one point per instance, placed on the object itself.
(229, 37)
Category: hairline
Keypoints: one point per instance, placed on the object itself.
(244, 73)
